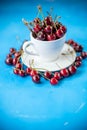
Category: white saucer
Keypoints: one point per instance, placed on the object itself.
(66, 58)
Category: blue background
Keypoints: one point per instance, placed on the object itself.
(26, 105)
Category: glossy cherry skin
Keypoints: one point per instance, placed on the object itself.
(59, 33)
(78, 48)
(47, 74)
(16, 71)
(37, 21)
(9, 55)
(75, 44)
(78, 63)
(9, 61)
(37, 28)
(18, 65)
(72, 69)
(36, 78)
(22, 73)
(41, 36)
(57, 75)
(48, 29)
(33, 72)
(48, 20)
(79, 58)
(15, 60)
(28, 70)
(64, 72)
(84, 55)
(63, 28)
(53, 81)
(12, 50)
(70, 41)
(51, 37)
(17, 54)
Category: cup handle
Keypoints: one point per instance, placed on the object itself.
(27, 44)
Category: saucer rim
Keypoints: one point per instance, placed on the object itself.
(43, 70)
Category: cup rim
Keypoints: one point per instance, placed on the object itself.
(48, 41)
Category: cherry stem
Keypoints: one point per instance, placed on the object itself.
(27, 24)
(40, 11)
(38, 14)
(43, 76)
(51, 10)
(18, 58)
(55, 26)
(40, 69)
(58, 17)
(31, 24)
(21, 52)
(13, 52)
(32, 63)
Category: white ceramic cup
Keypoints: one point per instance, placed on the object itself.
(46, 50)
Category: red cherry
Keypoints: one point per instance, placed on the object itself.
(28, 70)
(78, 58)
(15, 60)
(63, 28)
(12, 50)
(78, 63)
(72, 69)
(18, 65)
(53, 81)
(17, 54)
(59, 33)
(78, 48)
(54, 30)
(48, 20)
(75, 44)
(37, 28)
(33, 72)
(37, 21)
(43, 24)
(22, 73)
(48, 29)
(51, 37)
(70, 41)
(84, 55)
(9, 55)
(64, 72)
(47, 74)
(9, 61)
(41, 36)
(36, 78)
(57, 24)
(57, 75)
(16, 71)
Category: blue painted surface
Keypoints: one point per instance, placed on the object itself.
(26, 105)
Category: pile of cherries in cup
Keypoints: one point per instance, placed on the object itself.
(14, 59)
(47, 29)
